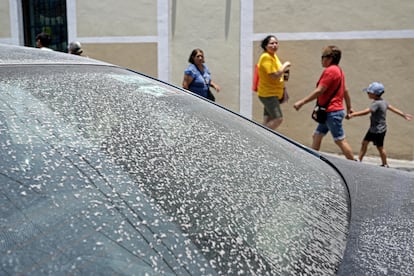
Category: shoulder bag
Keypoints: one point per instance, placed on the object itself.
(319, 113)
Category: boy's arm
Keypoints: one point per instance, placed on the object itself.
(406, 116)
(359, 113)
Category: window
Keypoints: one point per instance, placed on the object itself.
(47, 16)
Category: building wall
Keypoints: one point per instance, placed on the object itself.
(4, 19)
(157, 36)
(106, 18)
(116, 32)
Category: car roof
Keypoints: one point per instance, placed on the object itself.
(11, 54)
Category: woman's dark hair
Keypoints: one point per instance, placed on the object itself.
(334, 52)
(266, 41)
(193, 54)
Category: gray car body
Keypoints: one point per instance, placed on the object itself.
(381, 237)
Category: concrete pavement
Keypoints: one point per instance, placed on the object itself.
(406, 165)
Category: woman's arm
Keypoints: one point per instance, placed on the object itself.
(347, 99)
(313, 95)
(215, 86)
(281, 71)
(186, 81)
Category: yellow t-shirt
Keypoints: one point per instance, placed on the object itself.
(267, 86)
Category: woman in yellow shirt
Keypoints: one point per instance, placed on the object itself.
(271, 85)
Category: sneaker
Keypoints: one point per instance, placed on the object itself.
(385, 165)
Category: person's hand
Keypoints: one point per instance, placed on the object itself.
(217, 88)
(286, 66)
(298, 105)
(408, 117)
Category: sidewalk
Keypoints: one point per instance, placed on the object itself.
(406, 165)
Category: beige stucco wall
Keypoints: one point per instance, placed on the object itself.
(333, 16)
(4, 19)
(141, 57)
(105, 18)
(96, 18)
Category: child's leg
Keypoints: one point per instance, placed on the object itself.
(363, 150)
(383, 155)
(379, 142)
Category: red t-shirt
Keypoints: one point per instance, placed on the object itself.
(331, 77)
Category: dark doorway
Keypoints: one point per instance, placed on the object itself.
(47, 16)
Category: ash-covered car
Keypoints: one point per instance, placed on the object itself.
(106, 171)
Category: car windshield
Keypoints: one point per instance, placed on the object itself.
(140, 176)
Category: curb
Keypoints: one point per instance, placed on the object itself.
(406, 165)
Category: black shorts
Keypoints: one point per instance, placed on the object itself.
(376, 138)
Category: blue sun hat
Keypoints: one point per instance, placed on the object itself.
(375, 88)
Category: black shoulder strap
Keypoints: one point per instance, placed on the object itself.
(333, 94)
(202, 75)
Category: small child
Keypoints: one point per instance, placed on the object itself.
(378, 126)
